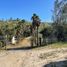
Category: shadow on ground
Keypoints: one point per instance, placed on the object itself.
(28, 47)
(25, 48)
(21, 48)
(57, 64)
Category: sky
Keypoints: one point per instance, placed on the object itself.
(24, 9)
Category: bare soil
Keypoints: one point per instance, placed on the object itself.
(32, 57)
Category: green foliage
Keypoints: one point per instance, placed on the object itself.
(10, 28)
(35, 21)
(22, 27)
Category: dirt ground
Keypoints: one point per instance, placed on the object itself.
(32, 57)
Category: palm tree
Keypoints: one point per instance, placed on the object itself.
(35, 21)
(35, 24)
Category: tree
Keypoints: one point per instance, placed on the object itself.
(35, 21)
(20, 28)
(23, 20)
(60, 19)
(17, 19)
(35, 24)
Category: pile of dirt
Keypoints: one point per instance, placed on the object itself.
(25, 42)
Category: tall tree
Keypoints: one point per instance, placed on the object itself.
(35, 24)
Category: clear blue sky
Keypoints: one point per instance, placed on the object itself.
(25, 8)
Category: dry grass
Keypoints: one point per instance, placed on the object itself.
(58, 45)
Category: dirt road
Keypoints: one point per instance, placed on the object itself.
(37, 57)
(31, 58)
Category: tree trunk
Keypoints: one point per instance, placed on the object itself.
(37, 35)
